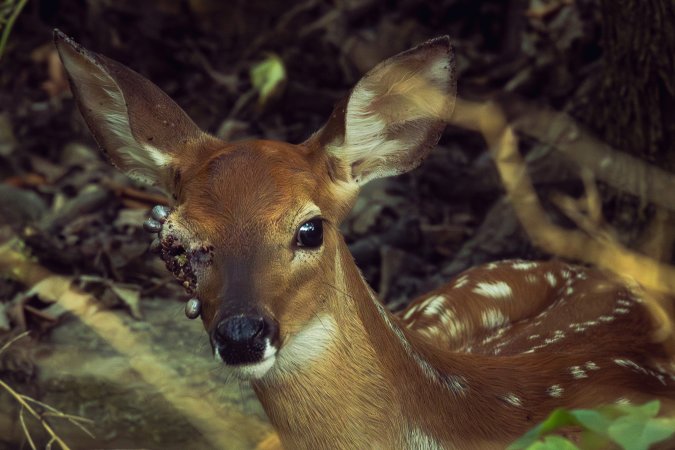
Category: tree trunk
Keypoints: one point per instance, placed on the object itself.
(634, 104)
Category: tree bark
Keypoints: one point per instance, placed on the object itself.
(634, 103)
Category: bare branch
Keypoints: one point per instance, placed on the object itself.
(589, 244)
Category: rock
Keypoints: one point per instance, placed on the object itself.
(79, 373)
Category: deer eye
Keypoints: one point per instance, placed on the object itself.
(310, 233)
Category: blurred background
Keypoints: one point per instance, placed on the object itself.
(109, 348)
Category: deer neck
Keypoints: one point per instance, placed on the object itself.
(366, 384)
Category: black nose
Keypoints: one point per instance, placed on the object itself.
(242, 339)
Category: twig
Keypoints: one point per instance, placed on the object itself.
(13, 340)
(75, 420)
(592, 199)
(228, 81)
(25, 405)
(10, 24)
(24, 401)
(26, 433)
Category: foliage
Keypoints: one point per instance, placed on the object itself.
(9, 11)
(268, 77)
(631, 427)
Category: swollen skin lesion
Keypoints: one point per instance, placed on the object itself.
(184, 263)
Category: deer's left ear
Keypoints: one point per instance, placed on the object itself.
(394, 115)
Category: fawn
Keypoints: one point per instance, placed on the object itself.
(253, 235)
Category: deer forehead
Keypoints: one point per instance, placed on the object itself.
(256, 187)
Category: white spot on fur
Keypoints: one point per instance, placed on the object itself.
(524, 265)
(583, 326)
(427, 369)
(512, 399)
(569, 291)
(493, 318)
(498, 334)
(461, 281)
(577, 372)
(590, 365)
(622, 401)
(409, 313)
(606, 319)
(555, 391)
(531, 278)
(621, 310)
(557, 335)
(551, 279)
(434, 305)
(452, 324)
(638, 368)
(497, 289)
(534, 336)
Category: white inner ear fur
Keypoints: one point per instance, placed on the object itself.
(380, 127)
(102, 96)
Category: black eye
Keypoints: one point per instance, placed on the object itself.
(310, 233)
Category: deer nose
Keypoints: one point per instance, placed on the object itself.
(244, 339)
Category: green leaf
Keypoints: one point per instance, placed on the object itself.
(592, 419)
(631, 427)
(268, 77)
(553, 443)
(649, 409)
(557, 419)
(634, 432)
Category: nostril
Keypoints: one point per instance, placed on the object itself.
(271, 330)
(240, 329)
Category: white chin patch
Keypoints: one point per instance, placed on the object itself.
(253, 371)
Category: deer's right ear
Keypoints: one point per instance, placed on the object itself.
(141, 129)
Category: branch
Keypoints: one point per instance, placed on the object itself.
(616, 168)
(592, 245)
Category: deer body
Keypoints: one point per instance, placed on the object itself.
(253, 236)
(387, 385)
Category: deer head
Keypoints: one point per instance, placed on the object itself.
(254, 229)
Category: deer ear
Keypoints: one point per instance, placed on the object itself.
(394, 115)
(140, 128)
